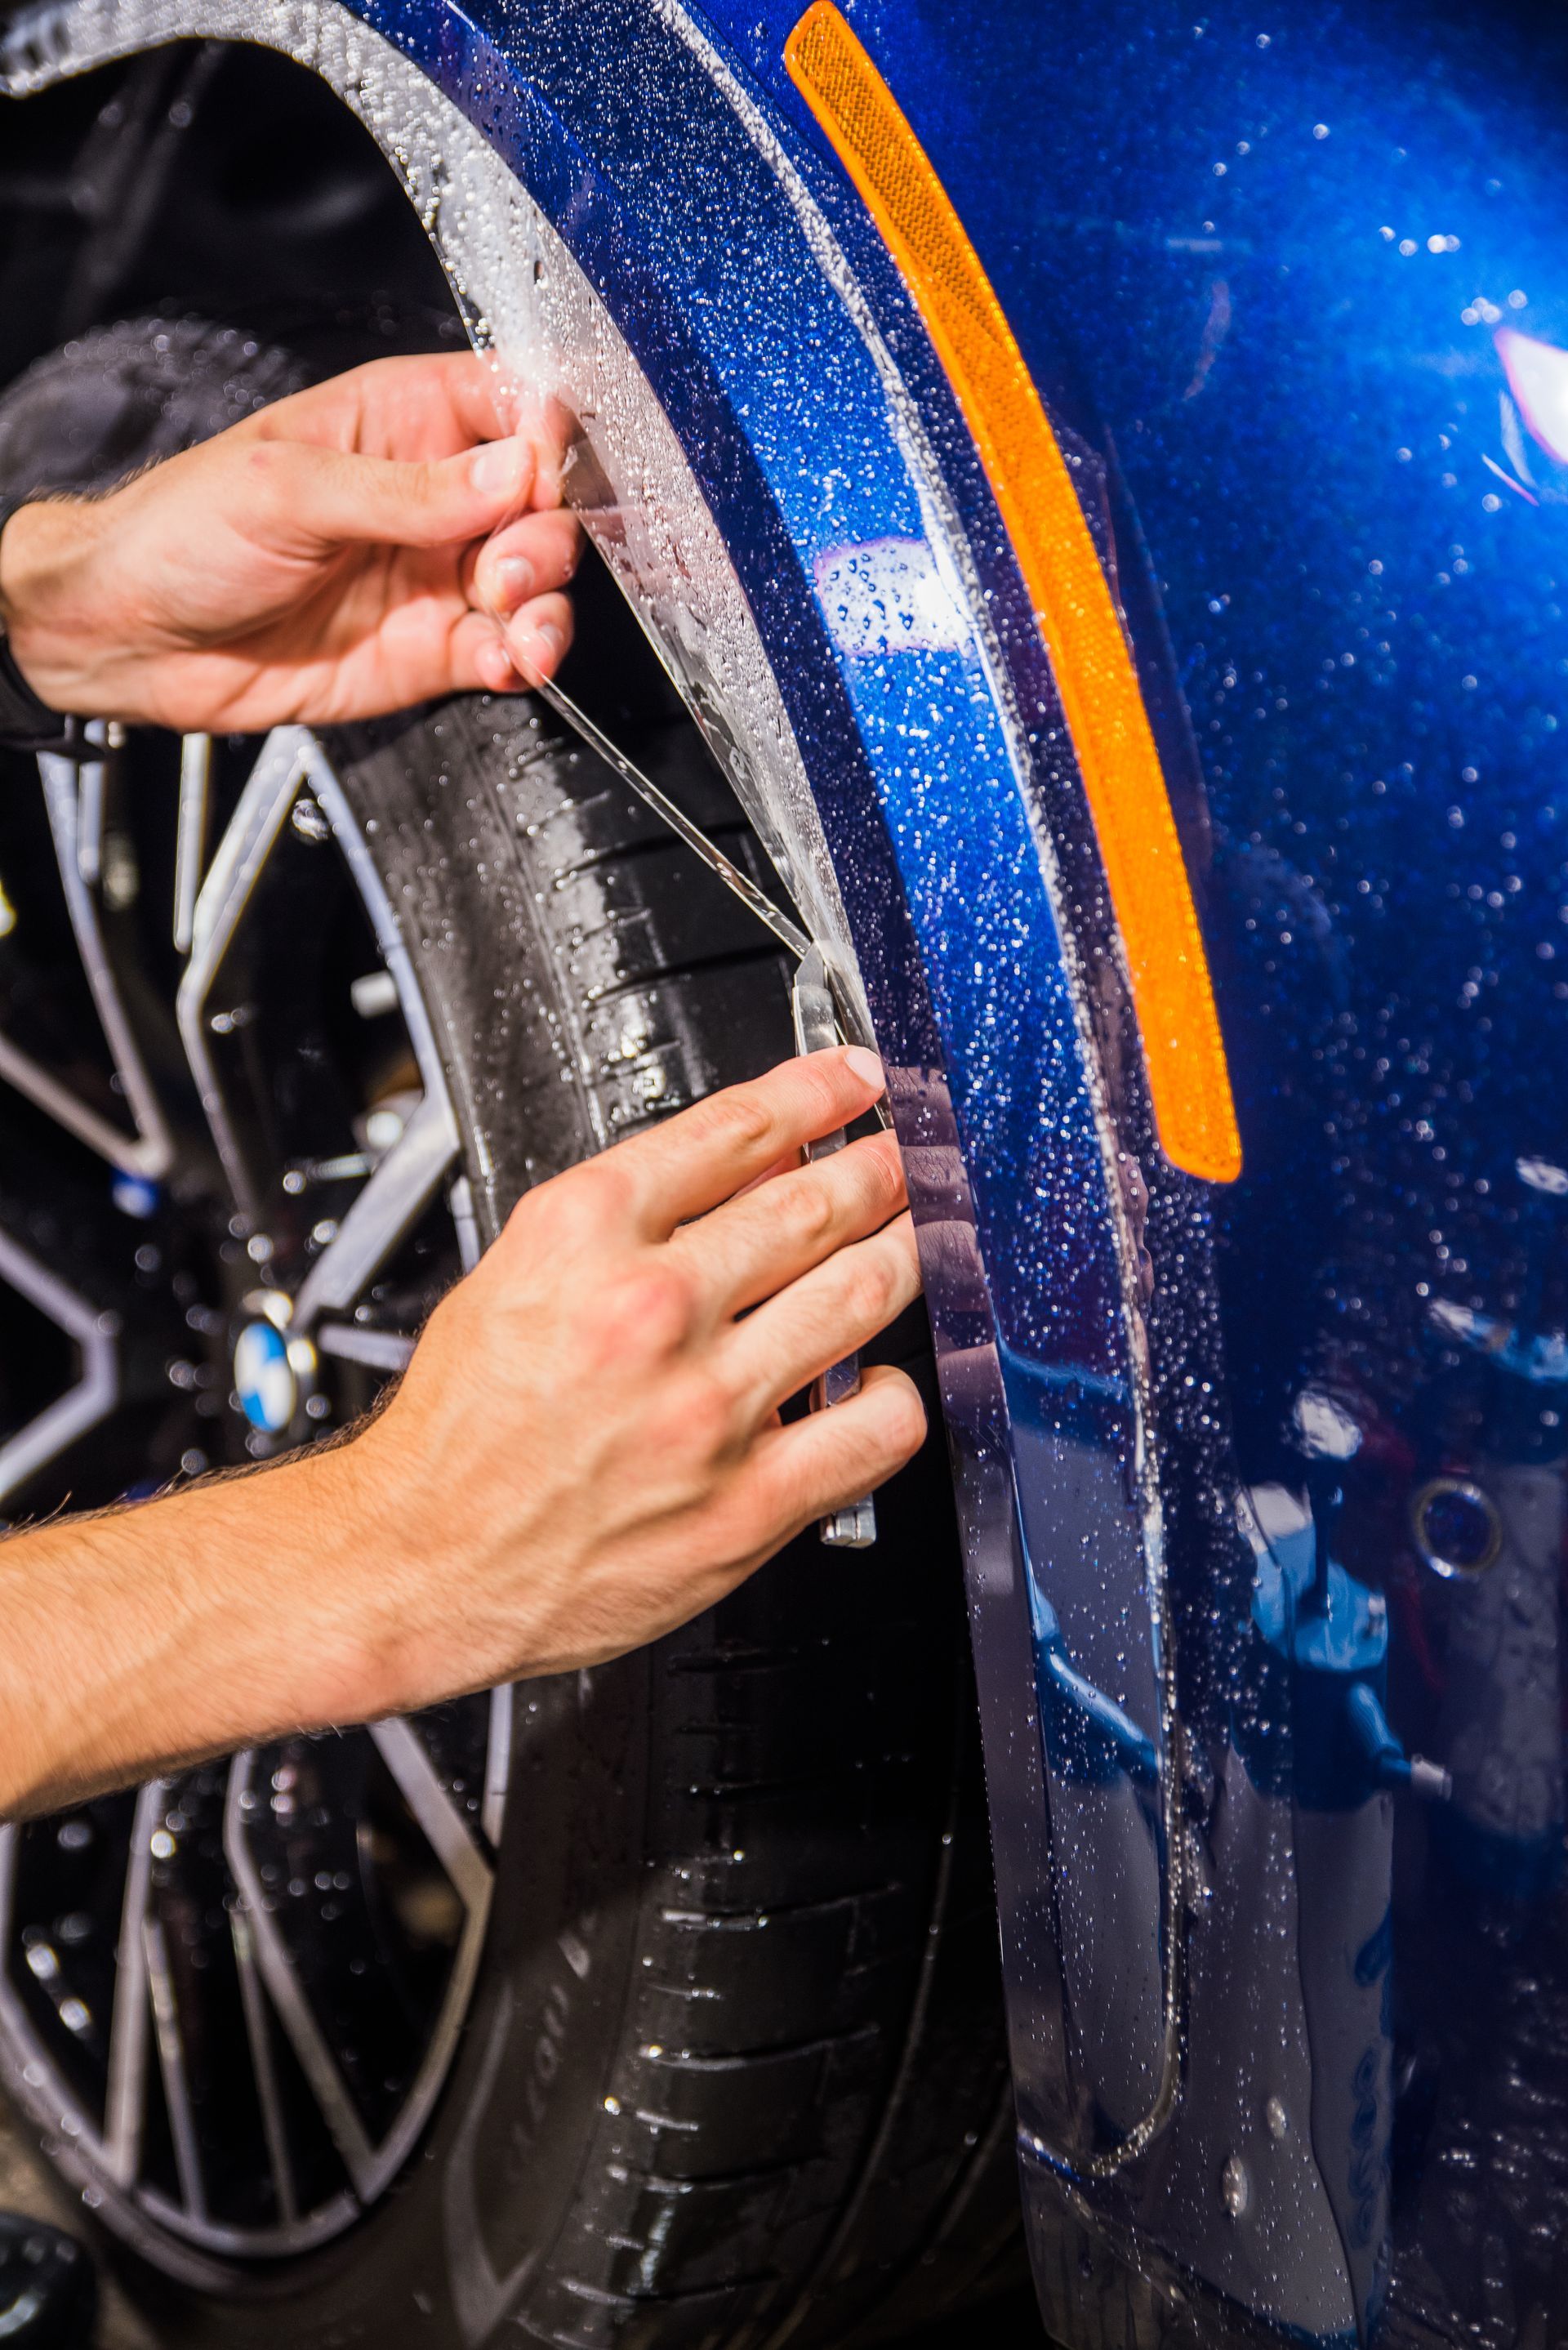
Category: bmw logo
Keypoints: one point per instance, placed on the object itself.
(264, 1378)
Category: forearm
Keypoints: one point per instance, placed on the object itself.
(141, 1639)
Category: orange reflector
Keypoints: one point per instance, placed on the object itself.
(1183, 1050)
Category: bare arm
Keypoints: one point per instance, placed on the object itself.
(585, 1451)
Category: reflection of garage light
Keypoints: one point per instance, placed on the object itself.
(7, 914)
(1538, 379)
(1542, 1175)
(1188, 1078)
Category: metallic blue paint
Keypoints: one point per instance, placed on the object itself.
(1257, 260)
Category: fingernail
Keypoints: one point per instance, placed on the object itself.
(515, 582)
(865, 1065)
(550, 642)
(498, 467)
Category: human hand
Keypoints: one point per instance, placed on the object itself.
(586, 1449)
(381, 539)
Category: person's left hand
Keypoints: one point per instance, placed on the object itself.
(383, 539)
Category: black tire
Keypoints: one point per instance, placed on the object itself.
(735, 2067)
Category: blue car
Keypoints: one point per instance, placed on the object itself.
(1078, 503)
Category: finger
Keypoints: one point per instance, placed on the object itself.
(313, 501)
(753, 1245)
(830, 1311)
(495, 670)
(524, 559)
(538, 637)
(542, 419)
(688, 1164)
(432, 404)
(543, 637)
(785, 1166)
(814, 1466)
(478, 660)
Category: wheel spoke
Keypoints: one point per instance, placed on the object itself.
(81, 1407)
(386, 1211)
(150, 1151)
(451, 1838)
(190, 833)
(378, 1350)
(357, 855)
(497, 1763)
(262, 2064)
(79, 1117)
(125, 2109)
(459, 1199)
(171, 2063)
(91, 776)
(232, 877)
(153, 1151)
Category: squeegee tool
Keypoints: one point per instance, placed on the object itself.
(816, 1030)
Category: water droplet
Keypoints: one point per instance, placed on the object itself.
(1235, 2186)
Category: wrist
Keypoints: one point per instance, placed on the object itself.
(392, 1640)
(357, 1635)
(44, 619)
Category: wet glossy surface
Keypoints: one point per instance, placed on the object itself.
(1301, 276)
(1261, 268)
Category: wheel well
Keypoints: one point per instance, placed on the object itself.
(214, 177)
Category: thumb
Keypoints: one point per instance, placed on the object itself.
(333, 497)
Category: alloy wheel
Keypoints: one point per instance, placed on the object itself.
(231, 1998)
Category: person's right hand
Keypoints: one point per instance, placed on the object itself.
(585, 1450)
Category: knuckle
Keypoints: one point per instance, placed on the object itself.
(906, 1414)
(547, 1214)
(740, 1117)
(647, 1312)
(708, 1415)
(810, 1215)
(599, 1188)
(581, 1207)
(829, 1082)
(690, 1430)
(871, 1289)
(882, 1172)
